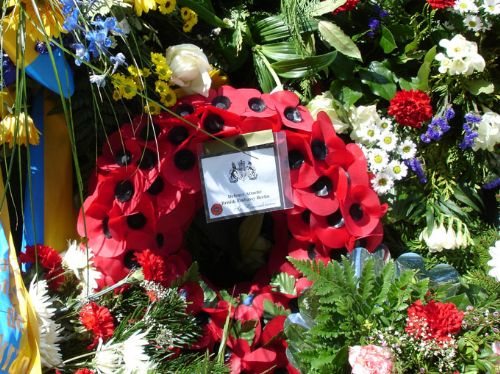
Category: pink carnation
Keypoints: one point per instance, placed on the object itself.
(370, 359)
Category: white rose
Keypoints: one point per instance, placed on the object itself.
(436, 240)
(488, 132)
(190, 69)
(362, 116)
(324, 103)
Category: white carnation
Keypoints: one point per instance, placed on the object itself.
(488, 132)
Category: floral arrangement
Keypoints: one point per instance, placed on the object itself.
(390, 112)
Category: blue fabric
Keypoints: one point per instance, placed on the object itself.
(42, 70)
(33, 232)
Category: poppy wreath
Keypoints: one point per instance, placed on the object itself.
(146, 191)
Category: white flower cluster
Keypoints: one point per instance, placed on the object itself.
(48, 329)
(325, 103)
(128, 357)
(80, 263)
(445, 236)
(460, 57)
(488, 132)
(384, 150)
(477, 14)
(495, 261)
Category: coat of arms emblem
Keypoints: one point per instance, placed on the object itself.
(241, 172)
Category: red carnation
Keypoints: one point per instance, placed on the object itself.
(441, 4)
(84, 371)
(411, 108)
(434, 320)
(99, 320)
(349, 5)
(153, 267)
(50, 260)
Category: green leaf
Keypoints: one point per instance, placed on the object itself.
(334, 36)
(279, 51)
(425, 69)
(480, 86)
(272, 28)
(324, 7)
(203, 12)
(264, 77)
(302, 67)
(387, 41)
(284, 283)
(406, 85)
(380, 80)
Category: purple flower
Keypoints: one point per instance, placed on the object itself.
(472, 118)
(470, 134)
(449, 113)
(416, 166)
(374, 24)
(492, 185)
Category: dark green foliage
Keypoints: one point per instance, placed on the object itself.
(349, 309)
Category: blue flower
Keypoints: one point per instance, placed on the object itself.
(82, 54)
(374, 24)
(472, 118)
(416, 166)
(71, 21)
(118, 60)
(449, 113)
(494, 184)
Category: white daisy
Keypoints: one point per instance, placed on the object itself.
(382, 183)
(491, 6)
(495, 261)
(397, 169)
(81, 264)
(367, 134)
(473, 22)
(387, 141)
(385, 124)
(126, 357)
(378, 159)
(407, 149)
(466, 6)
(48, 329)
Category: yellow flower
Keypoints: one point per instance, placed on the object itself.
(187, 27)
(162, 88)
(145, 72)
(187, 13)
(117, 95)
(163, 71)
(169, 98)
(18, 131)
(152, 108)
(144, 6)
(51, 19)
(126, 86)
(166, 7)
(158, 58)
(6, 101)
(218, 78)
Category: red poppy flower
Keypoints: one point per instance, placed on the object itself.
(292, 114)
(330, 229)
(358, 171)
(434, 321)
(118, 152)
(322, 196)
(258, 300)
(168, 238)
(175, 131)
(165, 196)
(193, 294)
(326, 147)
(212, 321)
(98, 320)
(181, 216)
(248, 315)
(300, 159)
(231, 99)
(113, 269)
(299, 224)
(369, 242)
(441, 4)
(186, 105)
(218, 122)
(251, 124)
(306, 250)
(361, 210)
(411, 108)
(243, 359)
(181, 169)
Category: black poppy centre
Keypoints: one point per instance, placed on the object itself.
(124, 191)
(177, 135)
(293, 114)
(184, 159)
(322, 187)
(335, 220)
(156, 187)
(123, 157)
(319, 149)
(150, 132)
(129, 259)
(295, 159)
(221, 102)
(136, 221)
(184, 110)
(148, 160)
(257, 105)
(356, 212)
(213, 123)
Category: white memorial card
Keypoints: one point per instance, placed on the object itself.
(242, 183)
